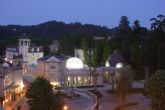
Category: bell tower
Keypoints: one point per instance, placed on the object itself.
(24, 43)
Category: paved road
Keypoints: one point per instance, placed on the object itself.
(82, 103)
(108, 103)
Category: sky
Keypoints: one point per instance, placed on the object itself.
(99, 12)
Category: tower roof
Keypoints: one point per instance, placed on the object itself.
(58, 56)
(115, 58)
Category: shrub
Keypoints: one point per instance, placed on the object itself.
(155, 90)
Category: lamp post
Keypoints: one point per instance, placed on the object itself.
(90, 64)
(65, 107)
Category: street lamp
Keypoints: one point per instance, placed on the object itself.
(65, 107)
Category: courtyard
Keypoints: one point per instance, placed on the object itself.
(106, 102)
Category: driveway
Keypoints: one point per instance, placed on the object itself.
(82, 103)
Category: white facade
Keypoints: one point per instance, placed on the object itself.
(54, 46)
(24, 49)
(79, 54)
(24, 45)
(11, 52)
(83, 77)
(33, 57)
(71, 72)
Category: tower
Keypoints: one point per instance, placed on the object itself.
(24, 43)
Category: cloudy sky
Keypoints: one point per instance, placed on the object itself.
(100, 12)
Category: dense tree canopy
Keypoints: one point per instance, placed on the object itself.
(41, 97)
(141, 48)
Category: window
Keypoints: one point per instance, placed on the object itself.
(25, 42)
(32, 49)
(38, 49)
(52, 66)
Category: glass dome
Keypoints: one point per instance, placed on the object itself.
(74, 63)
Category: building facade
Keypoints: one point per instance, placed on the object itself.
(52, 67)
(11, 86)
(79, 53)
(25, 49)
(62, 70)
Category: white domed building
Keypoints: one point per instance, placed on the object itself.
(74, 63)
(79, 74)
(62, 70)
(25, 49)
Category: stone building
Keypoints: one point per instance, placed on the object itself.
(52, 67)
(54, 47)
(63, 70)
(11, 86)
(25, 49)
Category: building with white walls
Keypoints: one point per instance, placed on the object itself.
(63, 70)
(25, 49)
(79, 53)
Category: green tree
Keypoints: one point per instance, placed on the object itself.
(41, 97)
(136, 24)
(106, 51)
(158, 27)
(124, 32)
(124, 27)
(67, 45)
(158, 23)
(155, 90)
(85, 47)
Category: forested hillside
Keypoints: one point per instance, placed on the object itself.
(45, 32)
(142, 48)
(52, 29)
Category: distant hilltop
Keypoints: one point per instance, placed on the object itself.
(54, 30)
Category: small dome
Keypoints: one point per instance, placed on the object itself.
(74, 63)
(119, 65)
(115, 58)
